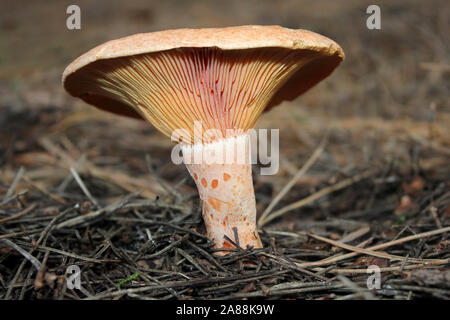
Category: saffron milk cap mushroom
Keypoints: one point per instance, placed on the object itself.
(206, 88)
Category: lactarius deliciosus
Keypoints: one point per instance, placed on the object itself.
(218, 81)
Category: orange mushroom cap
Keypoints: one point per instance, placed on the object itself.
(222, 77)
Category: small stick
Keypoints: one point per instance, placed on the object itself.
(83, 186)
(316, 154)
(20, 233)
(376, 247)
(169, 189)
(206, 255)
(19, 214)
(358, 290)
(94, 214)
(433, 212)
(38, 281)
(385, 269)
(355, 234)
(76, 256)
(39, 187)
(35, 262)
(191, 283)
(13, 197)
(290, 264)
(166, 249)
(14, 280)
(236, 237)
(13, 185)
(323, 192)
(192, 261)
(374, 253)
(67, 179)
(432, 144)
(120, 179)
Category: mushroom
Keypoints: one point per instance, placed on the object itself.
(216, 80)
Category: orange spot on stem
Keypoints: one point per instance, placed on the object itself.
(227, 245)
(226, 177)
(204, 183)
(225, 221)
(215, 203)
(214, 183)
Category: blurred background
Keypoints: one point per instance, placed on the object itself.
(388, 101)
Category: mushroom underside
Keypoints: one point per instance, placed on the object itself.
(221, 89)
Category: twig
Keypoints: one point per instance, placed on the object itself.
(192, 261)
(69, 177)
(35, 262)
(13, 197)
(20, 233)
(166, 249)
(205, 254)
(13, 185)
(355, 234)
(14, 280)
(301, 203)
(431, 144)
(274, 291)
(19, 214)
(39, 187)
(92, 215)
(169, 189)
(38, 281)
(376, 253)
(290, 264)
(364, 270)
(376, 247)
(83, 187)
(316, 154)
(76, 256)
(358, 290)
(190, 284)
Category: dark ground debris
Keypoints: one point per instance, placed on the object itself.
(131, 247)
